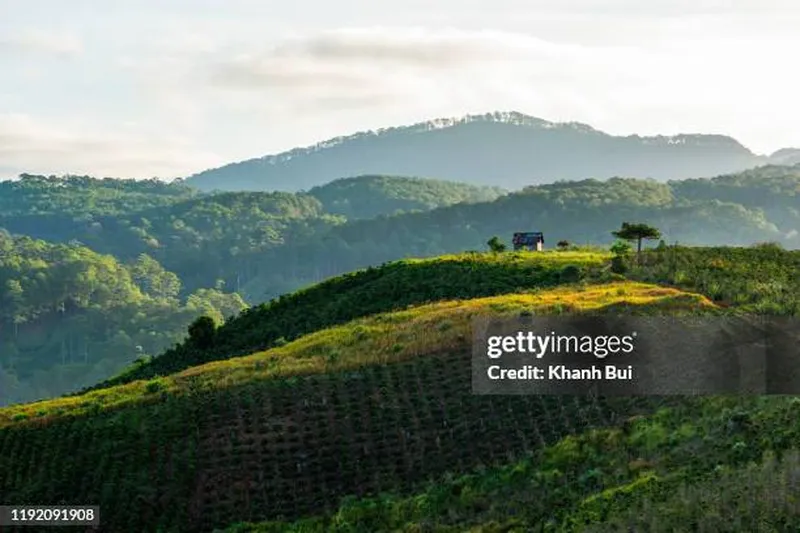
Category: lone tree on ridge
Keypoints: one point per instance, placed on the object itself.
(637, 232)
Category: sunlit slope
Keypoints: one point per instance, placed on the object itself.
(388, 287)
(381, 403)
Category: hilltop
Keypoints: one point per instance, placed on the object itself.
(504, 149)
(733, 210)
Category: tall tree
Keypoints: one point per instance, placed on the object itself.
(636, 232)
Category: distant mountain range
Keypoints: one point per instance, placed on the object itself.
(503, 149)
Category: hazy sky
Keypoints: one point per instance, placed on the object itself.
(170, 87)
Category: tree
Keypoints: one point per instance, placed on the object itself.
(202, 332)
(495, 245)
(620, 248)
(636, 232)
(563, 245)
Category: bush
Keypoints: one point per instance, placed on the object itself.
(570, 274)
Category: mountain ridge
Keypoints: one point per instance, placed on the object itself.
(501, 148)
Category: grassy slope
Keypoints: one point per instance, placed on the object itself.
(389, 287)
(760, 280)
(382, 403)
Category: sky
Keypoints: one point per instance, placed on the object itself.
(167, 88)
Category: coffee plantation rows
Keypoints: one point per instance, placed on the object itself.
(704, 464)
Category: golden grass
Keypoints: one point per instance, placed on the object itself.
(378, 339)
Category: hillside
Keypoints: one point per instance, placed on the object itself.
(504, 149)
(720, 464)
(381, 403)
(363, 418)
(757, 280)
(373, 196)
(84, 196)
(390, 287)
(207, 238)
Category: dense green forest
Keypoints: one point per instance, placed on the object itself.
(264, 245)
(70, 316)
(372, 196)
(208, 238)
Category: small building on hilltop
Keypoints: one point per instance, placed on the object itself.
(532, 240)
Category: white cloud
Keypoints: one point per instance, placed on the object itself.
(696, 84)
(30, 145)
(53, 43)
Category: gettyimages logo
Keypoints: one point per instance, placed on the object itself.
(528, 342)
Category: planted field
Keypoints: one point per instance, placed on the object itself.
(379, 404)
(711, 464)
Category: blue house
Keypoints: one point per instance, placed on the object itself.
(531, 241)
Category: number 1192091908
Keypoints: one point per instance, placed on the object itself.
(49, 515)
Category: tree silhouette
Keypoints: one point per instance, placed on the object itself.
(495, 245)
(202, 332)
(563, 245)
(636, 232)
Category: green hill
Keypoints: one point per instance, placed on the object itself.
(372, 196)
(712, 464)
(760, 280)
(379, 404)
(373, 290)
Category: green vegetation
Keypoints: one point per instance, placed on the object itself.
(636, 232)
(362, 417)
(373, 196)
(757, 280)
(70, 317)
(380, 404)
(579, 212)
(701, 465)
(68, 197)
(496, 245)
(375, 290)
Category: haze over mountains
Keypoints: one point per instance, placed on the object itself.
(503, 149)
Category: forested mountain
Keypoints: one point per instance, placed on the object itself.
(69, 316)
(505, 149)
(373, 196)
(82, 196)
(207, 238)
